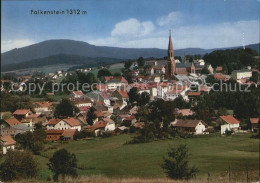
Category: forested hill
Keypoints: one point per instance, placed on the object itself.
(60, 59)
(232, 59)
(70, 47)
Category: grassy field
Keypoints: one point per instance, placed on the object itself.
(109, 157)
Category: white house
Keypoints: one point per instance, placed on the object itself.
(162, 88)
(42, 107)
(240, 74)
(229, 123)
(115, 82)
(190, 126)
(150, 71)
(159, 70)
(110, 126)
(64, 124)
(210, 69)
(7, 143)
(82, 102)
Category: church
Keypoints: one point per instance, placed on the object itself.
(173, 68)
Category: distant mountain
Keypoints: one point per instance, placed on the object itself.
(60, 59)
(69, 47)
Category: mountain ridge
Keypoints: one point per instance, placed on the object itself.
(71, 47)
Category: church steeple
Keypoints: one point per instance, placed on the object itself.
(170, 48)
(171, 65)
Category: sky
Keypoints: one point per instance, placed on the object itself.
(133, 23)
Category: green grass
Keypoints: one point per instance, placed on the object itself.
(110, 157)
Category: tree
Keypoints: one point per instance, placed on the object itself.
(91, 115)
(103, 72)
(128, 64)
(204, 70)
(18, 165)
(142, 113)
(11, 102)
(116, 74)
(133, 95)
(90, 78)
(63, 163)
(140, 61)
(180, 103)
(65, 109)
(33, 141)
(162, 110)
(144, 98)
(176, 165)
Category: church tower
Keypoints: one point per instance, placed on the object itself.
(171, 65)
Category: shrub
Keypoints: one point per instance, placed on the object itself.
(18, 165)
(176, 165)
(184, 135)
(228, 132)
(106, 134)
(63, 163)
(132, 129)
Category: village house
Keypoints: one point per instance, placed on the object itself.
(27, 121)
(128, 121)
(159, 70)
(255, 124)
(194, 95)
(162, 88)
(12, 127)
(240, 74)
(141, 87)
(204, 88)
(121, 129)
(185, 112)
(63, 124)
(9, 122)
(7, 143)
(82, 102)
(153, 78)
(120, 97)
(101, 126)
(99, 115)
(120, 118)
(111, 126)
(101, 87)
(104, 97)
(199, 62)
(115, 82)
(68, 134)
(21, 113)
(175, 91)
(76, 94)
(219, 69)
(229, 123)
(150, 71)
(210, 69)
(151, 63)
(43, 107)
(53, 135)
(190, 126)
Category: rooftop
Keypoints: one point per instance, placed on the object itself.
(229, 119)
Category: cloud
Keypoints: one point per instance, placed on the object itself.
(132, 28)
(220, 35)
(7, 45)
(171, 19)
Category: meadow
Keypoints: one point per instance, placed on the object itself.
(109, 157)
